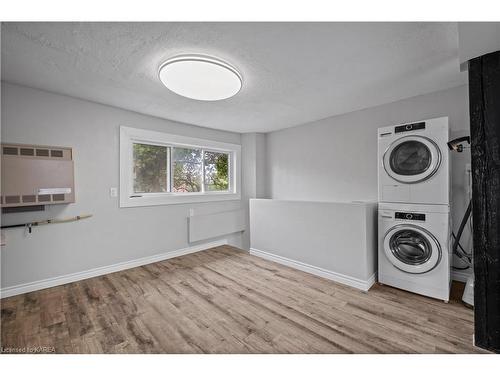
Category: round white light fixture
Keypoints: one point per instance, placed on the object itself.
(200, 77)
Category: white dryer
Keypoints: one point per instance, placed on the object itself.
(413, 162)
(414, 250)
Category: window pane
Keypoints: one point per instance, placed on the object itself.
(216, 171)
(187, 169)
(150, 168)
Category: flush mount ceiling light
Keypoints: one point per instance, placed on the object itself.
(200, 77)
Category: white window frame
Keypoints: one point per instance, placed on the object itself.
(129, 136)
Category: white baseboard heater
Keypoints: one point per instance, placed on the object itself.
(202, 227)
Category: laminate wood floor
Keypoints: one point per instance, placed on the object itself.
(224, 300)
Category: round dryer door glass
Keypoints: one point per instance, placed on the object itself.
(412, 249)
(412, 159)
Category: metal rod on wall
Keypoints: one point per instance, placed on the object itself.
(46, 222)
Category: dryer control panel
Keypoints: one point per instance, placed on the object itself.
(409, 127)
(409, 216)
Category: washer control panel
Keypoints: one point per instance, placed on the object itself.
(409, 216)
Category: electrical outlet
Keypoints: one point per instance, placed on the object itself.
(113, 192)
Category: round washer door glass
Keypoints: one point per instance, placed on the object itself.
(412, 249)
(412, 159)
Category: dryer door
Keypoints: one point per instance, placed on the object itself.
(412, 159)
(412, 249)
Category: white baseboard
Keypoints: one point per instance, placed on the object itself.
(371, 280)
(327, 274)
(461, 275)
(65, 279)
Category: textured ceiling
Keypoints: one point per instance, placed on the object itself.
(293, 72)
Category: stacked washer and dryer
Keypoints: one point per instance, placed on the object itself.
(414, 207)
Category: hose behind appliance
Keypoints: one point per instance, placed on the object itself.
(456, 243)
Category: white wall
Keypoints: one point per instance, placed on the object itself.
(335, 159)
(253, 148)
(477, 39)
(113, 234)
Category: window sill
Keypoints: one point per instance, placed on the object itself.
(160, 200)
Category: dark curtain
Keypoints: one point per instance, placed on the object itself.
(484, 101)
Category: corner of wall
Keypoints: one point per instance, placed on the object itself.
(253, 174)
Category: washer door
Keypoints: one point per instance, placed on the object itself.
(412, 249)
(412, 159)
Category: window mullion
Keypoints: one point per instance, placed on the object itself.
(171, 166)
(169, 169)
(132, 175)
(202, 170)
(229, 171)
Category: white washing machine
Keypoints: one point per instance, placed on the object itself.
(414, 250)
(413, 162)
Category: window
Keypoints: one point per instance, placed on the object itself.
(159, 168)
